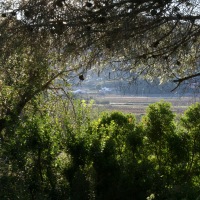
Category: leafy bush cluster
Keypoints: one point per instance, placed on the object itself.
(113, 157)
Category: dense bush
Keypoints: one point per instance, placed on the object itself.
(112, 157)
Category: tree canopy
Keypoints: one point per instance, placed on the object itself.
(115, 156)
(154, 38)
(56, 150)
(42, 40)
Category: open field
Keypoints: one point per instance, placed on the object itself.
(138, 105)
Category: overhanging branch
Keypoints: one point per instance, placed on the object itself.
(181, 80)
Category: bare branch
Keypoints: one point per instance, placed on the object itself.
(181, 80)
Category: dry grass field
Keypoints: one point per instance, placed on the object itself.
(138, 105)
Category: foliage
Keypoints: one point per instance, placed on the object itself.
(31, 158)
(111, 157)
(52, 148)
(46, 43)
(155, 39)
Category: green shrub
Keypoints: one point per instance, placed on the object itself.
(112, 157)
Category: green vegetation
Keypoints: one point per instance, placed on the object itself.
(153, 39)
(54, 147)
(73, 154)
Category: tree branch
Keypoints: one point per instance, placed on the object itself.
(181, 80)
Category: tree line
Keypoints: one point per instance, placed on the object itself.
(71, 155)
(44, 43)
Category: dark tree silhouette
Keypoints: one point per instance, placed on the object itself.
(42, 40)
